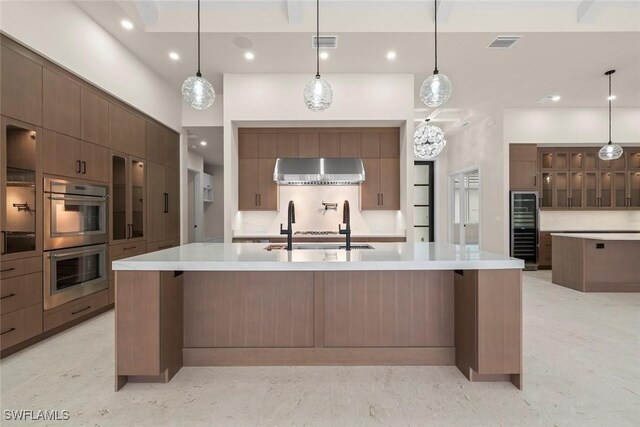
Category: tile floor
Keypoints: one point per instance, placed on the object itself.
(582, 368)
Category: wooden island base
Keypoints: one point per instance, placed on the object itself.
(468, 318)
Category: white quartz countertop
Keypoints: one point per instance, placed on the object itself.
(601, 236)
(254, 257)
(318, 236)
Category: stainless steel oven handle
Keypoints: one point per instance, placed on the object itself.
(91, 252)
(79, 198)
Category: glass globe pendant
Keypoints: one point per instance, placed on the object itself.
(428, 141)
(610, 151)
(318, 94)
(196, 90)
(437, 88)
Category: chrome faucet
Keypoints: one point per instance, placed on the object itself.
(346, 219)
(291, 219)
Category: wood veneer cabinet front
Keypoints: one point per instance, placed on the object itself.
(523, 167)
(21, 80)
(71, 157)
(94, 118)
(126, 131)
(163, 203)
(60, 104)
(319, 318)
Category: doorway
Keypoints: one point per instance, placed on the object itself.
(464, 218)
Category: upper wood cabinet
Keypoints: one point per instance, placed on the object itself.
(287, 145)
(126, 131)
(381, 188)
(67, 156)
(523, 167)
(21, 81)
(256, 189)
(351, 144)
(162, 145)
(575, 178)
(94, 118)
(329, 145)
(308, 145)
(60, 103)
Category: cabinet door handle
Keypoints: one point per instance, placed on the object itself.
(255, 201)
(8, 296)
(259, 199)
(78, 166)
(535, 181)
(7, 331)
(381, 199)
(84, 168)
(166, 202)
(81, 310)
(378, 199)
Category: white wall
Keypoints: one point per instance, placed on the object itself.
(571, 125)
(479, 146)
(203, 118)
(63, 33)
(214, 212)
(276, 100)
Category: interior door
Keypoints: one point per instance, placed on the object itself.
(465, 208)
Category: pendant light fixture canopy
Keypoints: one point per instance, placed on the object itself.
(317, 93)
(610, 151)
(437, 88)
(196, 90)
(428, 141)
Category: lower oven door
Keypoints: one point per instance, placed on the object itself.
(73, 273)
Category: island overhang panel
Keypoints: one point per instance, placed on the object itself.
(342, 314)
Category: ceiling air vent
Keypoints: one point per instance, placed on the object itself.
(504, 42)
(325, 42)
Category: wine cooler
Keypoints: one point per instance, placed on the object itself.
(524, 227)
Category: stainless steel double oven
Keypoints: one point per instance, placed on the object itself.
(75, 240)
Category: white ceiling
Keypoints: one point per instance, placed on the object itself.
(561, 52)
(213, 151)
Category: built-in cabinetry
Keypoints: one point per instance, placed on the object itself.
(258, 150)
(56, 124)
(575, 177)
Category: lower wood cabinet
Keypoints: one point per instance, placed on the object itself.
(544, 250)
(75, 309)
(20, 291)
(20, 325)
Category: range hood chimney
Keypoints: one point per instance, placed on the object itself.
(319, 171)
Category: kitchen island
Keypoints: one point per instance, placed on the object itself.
(211, 304)
(596, 262)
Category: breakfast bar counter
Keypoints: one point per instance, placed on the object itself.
(212, 304)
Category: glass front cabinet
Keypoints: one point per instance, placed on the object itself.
(20, 190)
(578, 179)
(128, 192)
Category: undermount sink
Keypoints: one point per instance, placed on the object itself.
(317, 246)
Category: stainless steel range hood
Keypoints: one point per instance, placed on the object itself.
(314, 171)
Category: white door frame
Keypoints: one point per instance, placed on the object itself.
(463, 204)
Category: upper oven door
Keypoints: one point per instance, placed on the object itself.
(73, 218)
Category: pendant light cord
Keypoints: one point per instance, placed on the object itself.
(199, 74)
(610, 108)
(435, 17)
(317, 38)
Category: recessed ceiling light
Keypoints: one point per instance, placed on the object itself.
(391, 55)
(611, 98)
(174, 56)
(203, 143)
(249, 56)
(324, 55)
(126, 24)
(555, 98)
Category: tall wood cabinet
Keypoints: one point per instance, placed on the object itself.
(257, 154)
(54, 123)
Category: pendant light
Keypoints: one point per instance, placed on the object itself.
(436, 89)
(610, 151)
(317, 93)
(196, 90)
(428, 141)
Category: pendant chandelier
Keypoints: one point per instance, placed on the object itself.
(610, 151)
(196, 90)
(428, 141)
(317, 93)
(436, 89)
